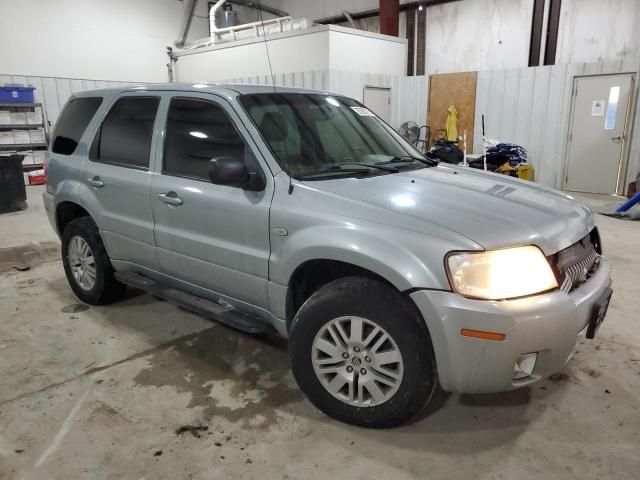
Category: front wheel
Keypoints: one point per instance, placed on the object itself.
(362, 354)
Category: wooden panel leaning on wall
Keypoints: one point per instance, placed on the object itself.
(448, 89)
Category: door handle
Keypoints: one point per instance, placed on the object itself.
(95, 182)
(617, 139)
(170, 198)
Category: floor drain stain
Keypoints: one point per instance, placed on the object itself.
(74, 308)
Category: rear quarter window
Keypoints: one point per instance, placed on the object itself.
(73, 122)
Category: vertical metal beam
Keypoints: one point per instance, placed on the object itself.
(553, 26)
(189, 8)
(422, 34)
(389, 15)
(536, 33)
(411, 40)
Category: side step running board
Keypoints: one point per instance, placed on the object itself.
(202, 306)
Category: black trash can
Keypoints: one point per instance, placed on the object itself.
(13, 194)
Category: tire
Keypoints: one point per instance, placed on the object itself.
(105, 288)
(344, 304)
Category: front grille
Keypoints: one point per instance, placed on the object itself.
(576, 264)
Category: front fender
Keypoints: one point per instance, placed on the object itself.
(401, 257)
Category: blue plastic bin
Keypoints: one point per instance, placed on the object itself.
(16, 93)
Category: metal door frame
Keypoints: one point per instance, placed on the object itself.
(627, 133)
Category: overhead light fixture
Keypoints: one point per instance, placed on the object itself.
(420, 7)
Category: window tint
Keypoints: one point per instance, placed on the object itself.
(198, 131)
(313, 132)
(125, 135)
(73, 122)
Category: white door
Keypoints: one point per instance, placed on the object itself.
(597, 136)
(378, 100)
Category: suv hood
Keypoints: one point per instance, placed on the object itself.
(491, 209)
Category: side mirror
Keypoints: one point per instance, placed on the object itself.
(233, 172)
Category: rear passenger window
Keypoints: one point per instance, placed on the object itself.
(72, 123)
(198, 131)
(125, 135)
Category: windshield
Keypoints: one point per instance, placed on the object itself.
(315, 136)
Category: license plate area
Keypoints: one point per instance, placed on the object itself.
(598, 312)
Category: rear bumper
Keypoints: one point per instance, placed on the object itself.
(549, 324)
(50, 207)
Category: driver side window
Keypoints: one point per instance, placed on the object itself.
(197, 131)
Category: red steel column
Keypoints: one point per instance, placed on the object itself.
(389, 13)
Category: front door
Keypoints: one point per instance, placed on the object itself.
(597, 134)
(211, 236)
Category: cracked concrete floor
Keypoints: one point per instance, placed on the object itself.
(98, 393)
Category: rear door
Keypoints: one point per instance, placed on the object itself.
(118, 178)
(211, 236)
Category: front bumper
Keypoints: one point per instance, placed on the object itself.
(549, 324)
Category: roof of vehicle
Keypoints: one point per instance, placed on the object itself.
(219, 88)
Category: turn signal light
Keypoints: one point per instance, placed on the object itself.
(497, 336)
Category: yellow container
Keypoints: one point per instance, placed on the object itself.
(525, 171)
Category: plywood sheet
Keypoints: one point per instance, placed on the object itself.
(457, 89)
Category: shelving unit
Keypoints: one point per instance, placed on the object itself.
(5, 128)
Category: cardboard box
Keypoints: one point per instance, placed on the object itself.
(21, 136)
(35, 117)
(6, 137)
(18, 118)
(38, 156)
(5, 117)
(36, 136)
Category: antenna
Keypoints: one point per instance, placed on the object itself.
(266, 47)
(273, 78)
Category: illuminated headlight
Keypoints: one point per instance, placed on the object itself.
(500, 274)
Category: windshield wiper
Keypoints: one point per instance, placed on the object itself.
(409, 159)
(373, 165)
(335, 169)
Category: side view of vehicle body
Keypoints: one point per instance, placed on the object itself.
(302, 213)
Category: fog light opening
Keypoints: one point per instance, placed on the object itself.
(524, 366)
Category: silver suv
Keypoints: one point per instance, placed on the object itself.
(302, 213)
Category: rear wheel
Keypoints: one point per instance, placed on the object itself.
(87, 265)
(362, 354)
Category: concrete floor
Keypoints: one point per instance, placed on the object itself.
(90, 392)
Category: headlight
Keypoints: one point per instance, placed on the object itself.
(501, 274)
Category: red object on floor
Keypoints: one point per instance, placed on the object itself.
(37, 179)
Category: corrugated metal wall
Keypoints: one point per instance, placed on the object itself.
(531, 107)
(528, 106)
(408, 94)
(54, 92)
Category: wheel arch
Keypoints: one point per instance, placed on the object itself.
(311, 275)
(66, 211)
